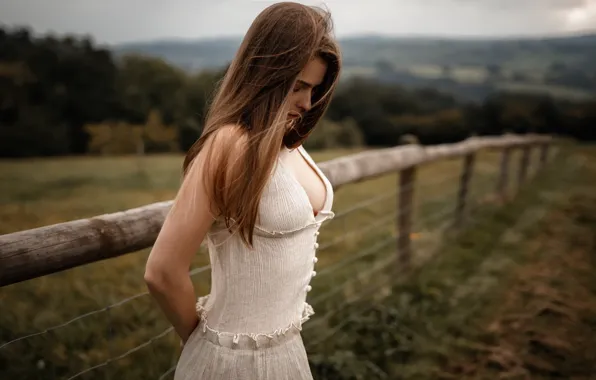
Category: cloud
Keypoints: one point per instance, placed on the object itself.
(580, 17)
(547, 5)
(129, 20)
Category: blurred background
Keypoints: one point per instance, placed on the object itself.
(99, 101)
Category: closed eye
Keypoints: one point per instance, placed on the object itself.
(299, 87)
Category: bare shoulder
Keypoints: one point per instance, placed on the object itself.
(218, 160)
(229, 138)
(222, 155)
(219, 145)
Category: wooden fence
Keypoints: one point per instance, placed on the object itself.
(40, 251)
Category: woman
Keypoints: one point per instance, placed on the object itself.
(258, 198)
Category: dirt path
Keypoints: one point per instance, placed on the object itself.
(543, 326)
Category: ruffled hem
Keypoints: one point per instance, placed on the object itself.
(307, 312)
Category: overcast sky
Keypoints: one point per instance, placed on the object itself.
(112, 21)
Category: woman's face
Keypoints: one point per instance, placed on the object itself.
(309, 78)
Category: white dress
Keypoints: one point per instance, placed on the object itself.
(250, 322)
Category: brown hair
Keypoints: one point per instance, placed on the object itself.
(253, 96)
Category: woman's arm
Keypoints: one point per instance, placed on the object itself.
(166, 271)
(187, 223)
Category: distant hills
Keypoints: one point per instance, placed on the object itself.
(536, 53)
(190, 55)
(470, 68)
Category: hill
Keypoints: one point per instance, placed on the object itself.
(402, 52)
(470, 69)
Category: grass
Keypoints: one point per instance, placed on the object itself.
(479, 74)
(359, 71)
(543, 326)
(512, 296)
(462, 74)
(563, 92)
(39, 192)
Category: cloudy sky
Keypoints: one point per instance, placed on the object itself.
(112, 21)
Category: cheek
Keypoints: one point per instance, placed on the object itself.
(289, 106)
(292, 100)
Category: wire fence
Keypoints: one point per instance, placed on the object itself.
(480, 220)
(370, 266)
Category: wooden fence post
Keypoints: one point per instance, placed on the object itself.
(464, 185)
(407, 180)
(523, 165)
(504, 174)
(544, 154)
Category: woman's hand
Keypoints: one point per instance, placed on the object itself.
(184, 340)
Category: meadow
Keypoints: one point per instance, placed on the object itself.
(100, 315)
(479, 75)
(511, 296)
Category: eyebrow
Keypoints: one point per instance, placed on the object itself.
(305, 83)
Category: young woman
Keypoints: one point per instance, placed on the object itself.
(258, 198)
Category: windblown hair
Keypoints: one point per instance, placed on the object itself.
(253, 96)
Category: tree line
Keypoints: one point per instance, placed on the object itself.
(68, 96)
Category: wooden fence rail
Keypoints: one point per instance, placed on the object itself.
(40, 251)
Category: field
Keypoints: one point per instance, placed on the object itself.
(471, 74)
(359, 71)
(561, 92)
(38, 192)
(513, 296)
(479, 75)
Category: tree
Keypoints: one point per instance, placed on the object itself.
(147, 83)
(124, 138)
(549, 116)
(66, 83)
(115, 138)
(491, 119)
(443, 126)
(197, 94)
(330, 134)
(158, 137)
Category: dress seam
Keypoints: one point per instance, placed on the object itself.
(202, 314)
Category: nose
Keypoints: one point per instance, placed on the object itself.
(304, 103)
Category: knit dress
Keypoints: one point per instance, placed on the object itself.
(250, 322)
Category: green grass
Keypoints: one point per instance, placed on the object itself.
(462, 74)
(437, 322)
(562, 92)
(39, 192)
(479, 74)
(359, 71)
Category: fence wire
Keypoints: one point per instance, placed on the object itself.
(487, 174)
(473, 207)
(205, 268)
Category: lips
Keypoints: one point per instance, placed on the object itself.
(294, 115)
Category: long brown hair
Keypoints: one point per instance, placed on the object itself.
(254, 96)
